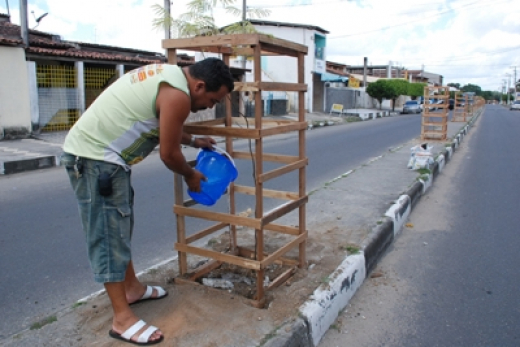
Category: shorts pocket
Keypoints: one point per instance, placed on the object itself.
(120, 221)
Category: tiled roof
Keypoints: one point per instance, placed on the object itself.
(46, 44)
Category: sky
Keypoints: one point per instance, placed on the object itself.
(466, 41)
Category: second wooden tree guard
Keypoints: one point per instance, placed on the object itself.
(434, 125)
(252, 45)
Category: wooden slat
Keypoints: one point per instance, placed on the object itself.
(204, 269)
(283, 209)
(434, 124)
(247, 87)
(245, 252)
(283, 87)
(284, 229)
(284, 129)
(277, 158)
(217, 121)
(281, 278)
(268, 193)
(267, 122)
(226, 258)
(270, 86)
(208, 41)
(205, 232)
(264, 39)
(282, 170)
(227, 131)
(217, 217)
(294, 243)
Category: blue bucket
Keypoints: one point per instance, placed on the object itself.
(219, 169)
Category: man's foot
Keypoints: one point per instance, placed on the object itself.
(138, 334)
(150, 293)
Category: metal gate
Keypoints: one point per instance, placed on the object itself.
(57, 96)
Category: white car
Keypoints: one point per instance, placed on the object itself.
(515, 105)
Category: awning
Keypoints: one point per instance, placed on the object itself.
(330, 77)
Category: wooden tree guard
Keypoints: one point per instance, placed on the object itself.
(253, 45)
(460, 108)
(435, 124)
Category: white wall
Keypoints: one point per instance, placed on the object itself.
(15, 110)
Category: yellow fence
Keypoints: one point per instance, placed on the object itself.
(58, 98)
(97, 80)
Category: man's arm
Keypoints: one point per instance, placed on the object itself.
(173, 107)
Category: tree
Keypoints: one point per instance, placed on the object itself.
(416, 90)
(199, 19)
(454, 85)
(380, 89)
(399, 87)
(472, 88)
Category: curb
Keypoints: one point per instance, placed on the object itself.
(320, 311)
(17, 166)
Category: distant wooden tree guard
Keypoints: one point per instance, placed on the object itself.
(460, 108)
(255, 46)
(435, 123)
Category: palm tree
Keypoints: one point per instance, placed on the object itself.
(199, 19)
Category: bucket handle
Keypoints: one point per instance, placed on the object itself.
(221, 151)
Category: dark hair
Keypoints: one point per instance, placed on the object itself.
(214, 73)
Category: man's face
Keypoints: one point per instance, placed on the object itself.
(201, 99)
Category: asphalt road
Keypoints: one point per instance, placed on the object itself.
(42, 254)
(451, 278)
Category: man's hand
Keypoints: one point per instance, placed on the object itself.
(193, 181)
(204, 142)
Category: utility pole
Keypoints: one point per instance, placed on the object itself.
(244, 10)
(167, 34)
(514, 81)
(23, 23)
(508, 86)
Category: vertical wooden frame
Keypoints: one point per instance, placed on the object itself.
(428, 126)
(259, 211)
(302, 155)
(229, 148)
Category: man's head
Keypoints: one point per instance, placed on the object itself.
(209, 80)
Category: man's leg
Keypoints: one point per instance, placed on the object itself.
(124, 318)
(134, 289)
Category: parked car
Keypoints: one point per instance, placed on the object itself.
(412, 106)
(452, 104)
(515, 105)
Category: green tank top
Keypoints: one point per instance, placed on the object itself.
(121, 126)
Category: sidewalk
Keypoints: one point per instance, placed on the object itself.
(351, 221)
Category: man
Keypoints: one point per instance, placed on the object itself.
(145, 107)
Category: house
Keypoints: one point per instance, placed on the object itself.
(49, 84)
(275, 68)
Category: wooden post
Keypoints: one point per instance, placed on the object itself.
(229, 148)
(259, 210)
(302, 174)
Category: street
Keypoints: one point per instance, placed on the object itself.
(43, 257)
(451, 277)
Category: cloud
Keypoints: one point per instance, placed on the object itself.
(463, 40)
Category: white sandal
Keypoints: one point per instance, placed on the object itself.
(161, 293)
(142, 340)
